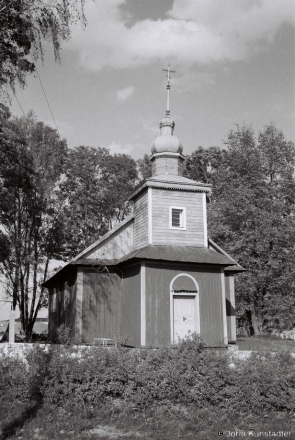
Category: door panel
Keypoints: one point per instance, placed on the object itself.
(183, 316)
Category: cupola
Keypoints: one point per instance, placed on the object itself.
(167, 157)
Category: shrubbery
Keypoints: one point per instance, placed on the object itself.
(188, 374)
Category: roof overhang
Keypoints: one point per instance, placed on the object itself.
(233, 268)
(167, 254)
(170, 182)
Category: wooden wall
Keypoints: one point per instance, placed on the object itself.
(141, 220)
(65, 290)
(130, 306)
(101, 305)
(161, 232)
(230, 306)
(115, 246)
(167, 165)
(158, 279)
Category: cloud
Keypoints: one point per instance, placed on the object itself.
(120, 149)
(195, 31)
(125, 93)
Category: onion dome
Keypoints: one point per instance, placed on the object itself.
(166, 142)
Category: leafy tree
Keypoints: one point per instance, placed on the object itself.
(145, 167)
(252, 217)
(31, 162)
(23, 26)
(199, 165)
(202, 164)
(93, 195)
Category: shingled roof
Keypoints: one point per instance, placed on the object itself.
(177, 254)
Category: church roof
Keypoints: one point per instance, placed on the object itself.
(177, 254)
(236, 268)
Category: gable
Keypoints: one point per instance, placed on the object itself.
(114, 244)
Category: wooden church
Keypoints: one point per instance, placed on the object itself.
(156, 276)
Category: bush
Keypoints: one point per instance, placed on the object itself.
(187, 375)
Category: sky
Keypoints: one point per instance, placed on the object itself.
(234, 63)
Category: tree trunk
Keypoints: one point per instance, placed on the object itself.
(256, 321)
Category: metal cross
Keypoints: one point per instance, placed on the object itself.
(168, 70)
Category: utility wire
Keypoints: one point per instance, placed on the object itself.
(45, 94)
(19, 104)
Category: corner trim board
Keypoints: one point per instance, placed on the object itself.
(142, 305)
(205, 220)
(233, 331)
(225, 339)
(150, 216)
(79, 302)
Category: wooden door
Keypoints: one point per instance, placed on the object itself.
(183, 316)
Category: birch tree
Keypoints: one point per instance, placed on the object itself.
(24, 26)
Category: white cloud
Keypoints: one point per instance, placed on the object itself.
(121, 149)
(195, 31)
(125, 93)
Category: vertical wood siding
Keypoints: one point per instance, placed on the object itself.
(230, 307)
(140, 232)
(167, 165)
(120, 243)
(101, 305)
(52, 316)
(158, 279)
(130, 309)
(162, 234)
(65, 311)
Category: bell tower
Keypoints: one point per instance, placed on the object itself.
(167, 157)
(169, 209)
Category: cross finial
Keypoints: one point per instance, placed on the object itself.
(168, 70)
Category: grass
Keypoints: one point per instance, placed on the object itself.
(116, 420)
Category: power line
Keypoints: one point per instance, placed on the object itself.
(45, 94)
(19, 104)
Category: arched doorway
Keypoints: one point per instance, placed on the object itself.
(184, 307)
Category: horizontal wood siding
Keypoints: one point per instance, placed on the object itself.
(162, 234)
(158, 279)
(100, 305)
(65, 305)
(140, 232)
(116, 246)
(130, 312)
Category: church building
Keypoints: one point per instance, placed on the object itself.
(155, 277)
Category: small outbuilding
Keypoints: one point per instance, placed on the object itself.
(156, 276)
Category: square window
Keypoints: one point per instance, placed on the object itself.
(177, 218)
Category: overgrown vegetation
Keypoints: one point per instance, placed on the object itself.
(161, 394)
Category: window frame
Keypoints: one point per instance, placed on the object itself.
(179, 208)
